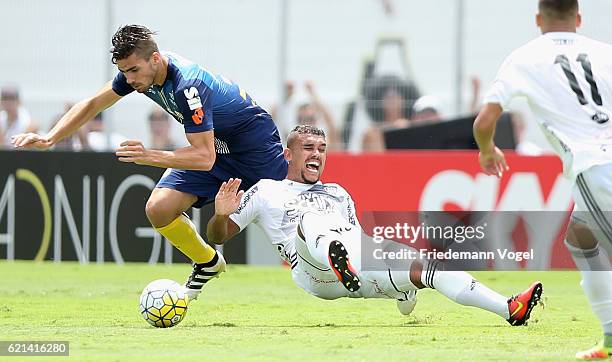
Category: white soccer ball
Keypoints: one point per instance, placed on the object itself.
(163, 303)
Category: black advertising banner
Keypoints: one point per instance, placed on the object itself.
(85, 206)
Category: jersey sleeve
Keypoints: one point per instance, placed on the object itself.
(506, 86)
(348, 210)
(194, 101)
(248, 210)
(121, 86)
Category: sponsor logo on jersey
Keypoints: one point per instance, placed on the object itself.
(198, 116)
(600, 118)
(193, 98)
(314, 201)
(245, 199)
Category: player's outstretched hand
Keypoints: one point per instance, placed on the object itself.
(493, 163)
(30, 140)
(228, 198)
(132, 151)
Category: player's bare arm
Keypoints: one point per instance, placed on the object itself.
(76, 117)
(220, 227)
(491, 158)
(199, 155)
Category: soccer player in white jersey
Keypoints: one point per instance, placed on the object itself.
(567, 80)
(314, 228)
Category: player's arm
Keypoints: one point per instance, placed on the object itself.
(194, 101)
(77, 116)
(199, 155)
(491, 158)
(221, 227)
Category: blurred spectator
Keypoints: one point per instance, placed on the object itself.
(389, 98)
(393, 115)
(14, 118)
(98, 140)
(426, 109)
(159, 126)
(388, 7)
(314, 113)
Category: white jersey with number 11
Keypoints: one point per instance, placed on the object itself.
(567, 80)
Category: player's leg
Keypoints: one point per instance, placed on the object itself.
(458, 286)
(177, 191)
(165, 209)
(590, 259)
(313, 274)
(462, 288)
(590, 229)
(327, 241)
(328, 254)
(321, 283)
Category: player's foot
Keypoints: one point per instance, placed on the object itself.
(202, 273)
(520, 306)
(599, 352)
(406, 306)
(340, 264)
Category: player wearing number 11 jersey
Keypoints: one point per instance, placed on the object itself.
(567, 81)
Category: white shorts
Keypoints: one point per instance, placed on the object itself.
(593, 201)
(313, 273)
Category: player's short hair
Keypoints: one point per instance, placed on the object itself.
(558, 9)
(303, 129)
(133, 39)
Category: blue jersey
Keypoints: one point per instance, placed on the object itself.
(203, 101)
(247, 142)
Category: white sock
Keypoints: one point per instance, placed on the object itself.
(597, 286)
(595, 269)
(460, 287)
(595, 259)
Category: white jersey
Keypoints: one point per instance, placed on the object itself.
(276, 206)
(567, 80)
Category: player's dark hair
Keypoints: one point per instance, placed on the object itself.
(558, 9)
(307, 129)
(130, 39)
(303, 129)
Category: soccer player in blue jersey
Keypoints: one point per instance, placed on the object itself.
(229, 136)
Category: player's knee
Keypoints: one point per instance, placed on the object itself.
(157, 213)
(580, 236)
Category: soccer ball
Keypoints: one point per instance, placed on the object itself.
(163, 303)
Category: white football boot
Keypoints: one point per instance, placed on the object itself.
(407, 306)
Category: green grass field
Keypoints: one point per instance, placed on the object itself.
(255, 313)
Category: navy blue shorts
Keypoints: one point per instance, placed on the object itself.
(205, 184)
